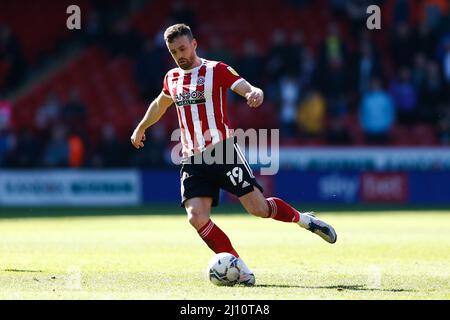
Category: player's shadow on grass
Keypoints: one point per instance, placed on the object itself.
(338, 287)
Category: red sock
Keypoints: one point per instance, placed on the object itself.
(216, 239)
(281, 211)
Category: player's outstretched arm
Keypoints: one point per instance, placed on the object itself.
(254, 95)
(154, 112)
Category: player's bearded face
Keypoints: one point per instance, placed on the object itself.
(183, 52)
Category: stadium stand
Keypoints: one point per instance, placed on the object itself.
(321, 52)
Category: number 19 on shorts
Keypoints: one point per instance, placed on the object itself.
(236, 173)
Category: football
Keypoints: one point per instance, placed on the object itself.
(223, 269)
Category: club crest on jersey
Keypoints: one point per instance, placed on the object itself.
(233, 71)
(187, 98)
(200, 81)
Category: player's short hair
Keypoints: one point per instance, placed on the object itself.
(177, 30)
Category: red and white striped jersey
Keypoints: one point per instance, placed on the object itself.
(200, 96)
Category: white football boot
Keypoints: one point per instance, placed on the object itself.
(247, 277)
(309, 221)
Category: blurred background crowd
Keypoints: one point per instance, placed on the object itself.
(71, 98)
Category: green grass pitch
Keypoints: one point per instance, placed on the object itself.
(378, 255)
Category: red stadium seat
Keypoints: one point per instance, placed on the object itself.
(46, 16)
(424, 135)
(401, 135)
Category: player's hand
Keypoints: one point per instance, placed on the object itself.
(255, 98)
(138, 138)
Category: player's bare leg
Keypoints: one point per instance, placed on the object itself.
(256, 204)
(198, 211)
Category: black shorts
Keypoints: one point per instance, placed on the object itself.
(199, 177)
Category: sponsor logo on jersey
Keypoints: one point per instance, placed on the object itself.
(187, 98)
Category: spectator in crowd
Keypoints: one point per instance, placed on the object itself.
(333, 82)
(377, 114)
(366, 66)
(56, 154)
(158, 39)
(74, 112)
(446, 64)
(402, 45)
(444, 125)
(432, 11)
(274, 64)
(402, 11)
(181, 13)
(289, 98)
(11, 53)
(308, 68)
(332, 49)
(425, 40)
(338, 133)
(339, 8)
(311, 114)
(149, 69)
(155, 155)
(27, 149)
(5, 115)
(405, 97)
(93, 32)
(431, 94)
(276, 57)
(110, 152)
(123, 40)
(419, 71)
(6, 146)
(292, 60)
(76, 150)
(49, 113)
(442, 42)
(250, 62)
(331, 77)
(217, 51)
